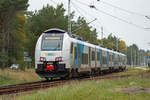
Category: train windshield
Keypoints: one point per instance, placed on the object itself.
(52, 43)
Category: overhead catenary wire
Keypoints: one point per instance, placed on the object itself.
(81, 11)
(54, 2)
(78, 7)
(115, 17)
(122, 9)
(84, 25)
(120, 19)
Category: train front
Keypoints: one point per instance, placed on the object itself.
(49, 54)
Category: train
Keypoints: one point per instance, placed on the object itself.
(148, 60)
(62, 55)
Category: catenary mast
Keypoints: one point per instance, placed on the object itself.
(69, 17)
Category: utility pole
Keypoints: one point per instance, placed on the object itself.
(135, 58)
(69, 17)
(117, 44)
(131, 56)
(102, 34)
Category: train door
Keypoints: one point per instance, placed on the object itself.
(76, 56)
(118, 60)
(89, 57)
(98, 59)
(101, 58)
(104, 57)
(93, 58)
(113, 60)
(71, 54)
(108, 59)
(79, 54)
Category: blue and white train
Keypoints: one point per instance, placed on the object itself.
(58, 54)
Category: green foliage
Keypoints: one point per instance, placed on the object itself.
(82, 29)
(111, 42)
(9, 10)
(11, 77)
(19, 31)
(111, 89)
(48, 17)
(122, 46)
(136, 56)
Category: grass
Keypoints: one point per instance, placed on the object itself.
(96, 90)
(9, 77)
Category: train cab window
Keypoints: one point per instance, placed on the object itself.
(93, 55)
(52, 43)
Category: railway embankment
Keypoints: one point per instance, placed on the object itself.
(10, 77)
(134, 87)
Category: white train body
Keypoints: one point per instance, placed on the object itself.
(59, 55)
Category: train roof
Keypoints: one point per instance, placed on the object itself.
(80, 40)
(55, 30)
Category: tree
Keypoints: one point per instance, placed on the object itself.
(8, 12)
(132, 52)
(18, 40)
(122, 46)
(48, 17)
(85, 31)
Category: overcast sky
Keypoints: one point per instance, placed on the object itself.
(126, 25)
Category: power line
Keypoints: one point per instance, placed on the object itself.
(54, 2)
(98, 22)
(82, 3)
(115, 17)
(84, 25)
(148, 17)
(125, 10)
(76, 8)
(120, 19)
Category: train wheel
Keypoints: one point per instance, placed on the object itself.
(47, 78)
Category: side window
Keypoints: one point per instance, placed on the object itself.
(104, 58)
(110, 57)
(93, 55)
(75, 53)
(98, 56)
(84, 58)
(71, 48)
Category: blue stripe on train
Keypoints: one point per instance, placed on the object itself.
(101, 58)
(107, 59)
(76, 61)
(81, 51)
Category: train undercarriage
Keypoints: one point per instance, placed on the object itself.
(56, 70)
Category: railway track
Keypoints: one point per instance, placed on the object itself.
(11, 89)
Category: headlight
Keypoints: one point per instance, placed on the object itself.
(59, 59)
(42, 59)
